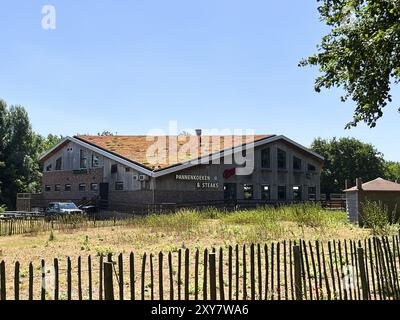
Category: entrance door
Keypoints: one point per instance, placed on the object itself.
(103, 191)
(230, 192)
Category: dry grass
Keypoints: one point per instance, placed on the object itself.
(169, 233)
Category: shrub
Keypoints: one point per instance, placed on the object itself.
(376, 215)
(184, 220)
(2, 208)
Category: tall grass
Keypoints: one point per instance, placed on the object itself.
(376, 215)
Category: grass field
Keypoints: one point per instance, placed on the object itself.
(185, 229)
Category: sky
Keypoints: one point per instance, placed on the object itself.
(132, 66)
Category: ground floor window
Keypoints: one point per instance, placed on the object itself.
(119, 186)
(82, 187)
(312, 193)
(297, 193)
(47, 188)
(248, 191)
(230, 191)
(281, 193)
(94, 187)
(265, 192)
(67, 187)
(57, 187)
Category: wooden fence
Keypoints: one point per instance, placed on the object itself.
(288, 270)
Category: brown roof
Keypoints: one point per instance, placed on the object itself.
(135, 148)
(378, 185)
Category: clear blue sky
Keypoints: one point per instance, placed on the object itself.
(130, 66)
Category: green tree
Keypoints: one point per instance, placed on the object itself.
(347, 158)
(392, 170)
(361, 53)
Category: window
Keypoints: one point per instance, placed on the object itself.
(266, 158)
(297, 193)
(67, 187)
(83, 159)
(58, 164)
(57, 187)
(48, 168)
(127, 169)
(47, 188)
(82, 187)
(311, 168)
(265, 192)
(95, 161)
(312, 193)
(296, 163)
(248, 191)
(114, 168)
(94, 187)
(281, 193)
(119, 186)
(281, 159)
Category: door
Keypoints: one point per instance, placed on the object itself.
(103, 191)
(230, 192)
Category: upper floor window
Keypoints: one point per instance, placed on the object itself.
(119, 186)
(281, 159)
(48, 168)
(59, 163)
(266, 158)
(95, 161)
(311, 168)
(114, 168)
(83, 159)
(296, 163)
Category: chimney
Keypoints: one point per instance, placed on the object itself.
(198, 134)
(359, 183)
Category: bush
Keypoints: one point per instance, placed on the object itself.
(376, 215)
(2, 208)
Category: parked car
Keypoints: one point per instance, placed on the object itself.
(62, 208)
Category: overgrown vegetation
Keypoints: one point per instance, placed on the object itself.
(378, 217)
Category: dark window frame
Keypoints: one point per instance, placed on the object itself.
(250, 190)
(118, 185)
(266, 158)
(281, 157)
(263, 192)
(58, 164)
(94, 189)
(284, 192)
(299, 192)
(95, 164)
(47, 188)
(80, 187)
(83, 159)
(311, 167)
(57, 186)
(69, 189)
(297, 163)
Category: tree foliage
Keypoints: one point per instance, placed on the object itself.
(347, 158)
(20, 148)
(392, 170)
(361, 53)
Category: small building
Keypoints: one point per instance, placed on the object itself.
(379, 190)
(125, 172)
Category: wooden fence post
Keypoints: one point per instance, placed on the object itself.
(108, 281)
(297, 272)
(213, 276)
(16, 281)
(361, 264)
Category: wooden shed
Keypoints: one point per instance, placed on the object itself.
(387, 192)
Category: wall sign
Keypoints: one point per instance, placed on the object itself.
(207, 185)
(229, 173)
(193, 177)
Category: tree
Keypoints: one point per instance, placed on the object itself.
(347, 158)
(361, 54)
(392, 170)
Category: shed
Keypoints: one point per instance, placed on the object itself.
(385, 191)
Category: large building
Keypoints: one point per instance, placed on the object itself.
(124, 172)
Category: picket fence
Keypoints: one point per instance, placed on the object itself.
(290, 270)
